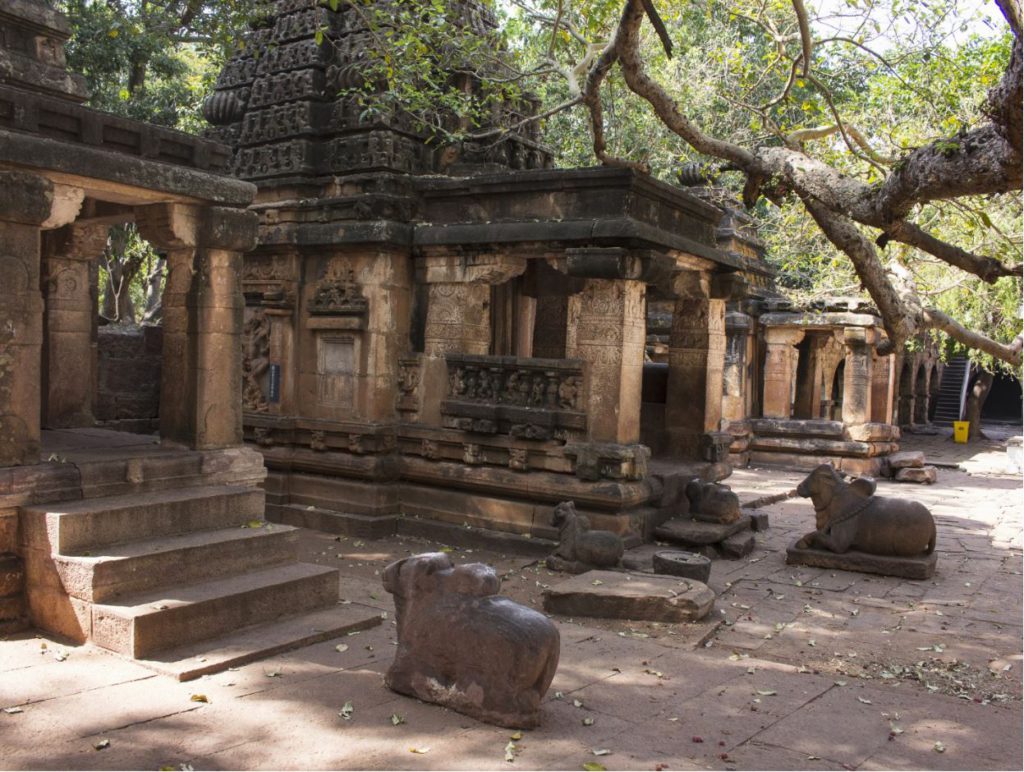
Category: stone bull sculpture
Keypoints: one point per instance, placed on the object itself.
(848, 516)
(462, 646)
(579, 548)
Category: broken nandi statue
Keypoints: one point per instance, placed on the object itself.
(462, 646)
(848, 516)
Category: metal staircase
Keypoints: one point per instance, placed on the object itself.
(952, 391)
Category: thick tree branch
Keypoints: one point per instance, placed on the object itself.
(936, 320)
(986, 268)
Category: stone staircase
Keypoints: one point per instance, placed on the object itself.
(188, 581)
(951, 392)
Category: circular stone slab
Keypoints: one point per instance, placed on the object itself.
(679, 563)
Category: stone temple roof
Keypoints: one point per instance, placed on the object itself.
(279, 103)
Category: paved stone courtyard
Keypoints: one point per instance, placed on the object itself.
(797, 668)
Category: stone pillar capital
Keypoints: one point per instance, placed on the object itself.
(77, 241)
(184, 226)
(472, 269)
(783, 336)
(692, 285)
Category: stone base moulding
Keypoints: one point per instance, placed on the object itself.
(921, 567)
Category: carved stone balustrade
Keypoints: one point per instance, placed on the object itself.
(534, 399)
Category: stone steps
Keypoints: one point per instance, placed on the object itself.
(141, 625)
(109, 572)
(260, 641)
(79, 526)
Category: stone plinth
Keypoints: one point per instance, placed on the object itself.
(922, 567)
(694, 533)
(688, 565)
(613, 595)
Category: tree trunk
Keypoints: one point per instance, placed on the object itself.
(976, 401)
(117, 301)
(153, 312)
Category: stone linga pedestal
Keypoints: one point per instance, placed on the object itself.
(858, 531)
(462, 646)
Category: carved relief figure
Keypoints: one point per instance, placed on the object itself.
(462, 646)
(848, 516)
(255, 361)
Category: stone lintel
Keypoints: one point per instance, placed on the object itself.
(858, 337)
(922, 567)
(737, 322)
(783, 336)
(728, 286)
(819, 320)
(25, 198)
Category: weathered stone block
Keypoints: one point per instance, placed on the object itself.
(12, 576)
(759, 521)
(920, 567)
(738, 545)
(924, 474)
(613, 595)
(692, 533)
(906, 459)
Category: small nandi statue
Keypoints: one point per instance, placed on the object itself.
(580, 549)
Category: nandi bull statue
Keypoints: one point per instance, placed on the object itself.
(462, 646)
(848, 516)
(579, 548)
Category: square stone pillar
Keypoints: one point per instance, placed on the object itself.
(606, 328)
(458, 315)
(734, 376)
(857, 375)
(696, 362)
(28, 203)
(779, 370)
(882, 369)
(69, 365)
(200, 391)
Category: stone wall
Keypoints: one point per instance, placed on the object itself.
(128, 378)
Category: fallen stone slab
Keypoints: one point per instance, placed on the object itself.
(738, 545)
(922, 567)
(693, 533)
(689, 565)
(612, 595)
(906, 459)
(924, 474)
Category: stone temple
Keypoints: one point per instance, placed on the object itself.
(416, 338)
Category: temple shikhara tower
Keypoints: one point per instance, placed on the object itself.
(439, 336)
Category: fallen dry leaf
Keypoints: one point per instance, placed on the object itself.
(199, 698)
(425, 749)
(396, 719)
(601, 752)
(593, 766)
(346, 711)
(101, 744)
(588, 721)
(939, 747)
(341, 647)
(510, 752)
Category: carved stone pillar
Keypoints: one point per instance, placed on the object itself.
(780, 370)
(28, 203)
(200, 392)
(734, 375)
(69, 363)
(857, 375)
(607, 330)
(696, 361)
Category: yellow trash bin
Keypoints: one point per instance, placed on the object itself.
(960, 431)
